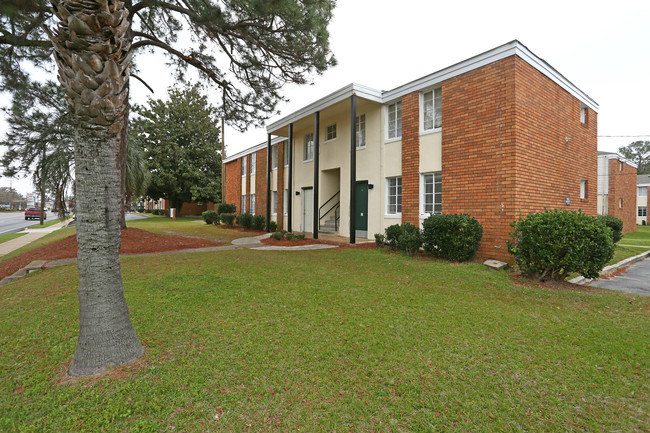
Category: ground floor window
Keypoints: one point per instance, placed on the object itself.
(253, 204)
(430, 193)
(394, 195)
(243, 203)
(286, 202)
(643, 211)
(274, 202)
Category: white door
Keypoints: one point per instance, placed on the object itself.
(307, 210)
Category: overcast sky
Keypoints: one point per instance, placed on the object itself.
(601, 47)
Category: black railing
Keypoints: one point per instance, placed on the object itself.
(332, 204)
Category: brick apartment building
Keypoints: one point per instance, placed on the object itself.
(496, 136)
(617, 189)
(642, 183)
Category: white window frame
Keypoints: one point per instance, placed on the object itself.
(285, 153)
(253, 163)
(583, 189)
(645, 191)
(243, 165)
(398, 121)
(642, 211)
(274, 157)
(253, 204)
(398, 195)
(243, 204)
(286, 202)
(330, 132)
(360, 139)
(308, 147)
(583, 114)
(274, 202)
(620, 203)
(436, 177)
(436, 111)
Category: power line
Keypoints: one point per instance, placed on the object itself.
(624, 136)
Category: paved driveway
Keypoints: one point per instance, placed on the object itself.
(636, 280)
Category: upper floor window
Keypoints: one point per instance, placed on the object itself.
(361, 131)
(243, 165)
(643, 191)
(253, 163)
(330, 132)
(583, 189)
(394, 195)
(274, 156)
(285, 153)
(583, 113)
(432, 109)
(308, 149)
(394, 119)
(431, 197)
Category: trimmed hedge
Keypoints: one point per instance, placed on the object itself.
(392, 234)
(272, 226)
(454, 237)
(227, 218)
(553, 244)
(226, 208)
(259, 221)
(615, 224)
(410, 239)
(245, 220)
(210, 217)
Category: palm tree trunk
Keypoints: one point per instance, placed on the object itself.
(92, 54)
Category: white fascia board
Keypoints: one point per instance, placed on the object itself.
(331, 99)
(254, 149)
(511, 48)
(620, 158)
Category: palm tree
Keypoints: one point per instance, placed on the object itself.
(92, 52)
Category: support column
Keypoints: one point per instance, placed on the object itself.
(316, 170)
(290, 180)
(268, 184)
(353, 167)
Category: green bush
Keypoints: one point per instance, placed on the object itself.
(226, 208)
(380, 240)
(410, 239)
(140, 209)
(228, 218)
(272, 226)
(553, 244)
(615, 224)
(277, 236)
(245, 220)
(452, 236)
(210, 216)
(289, 236)
(147, 211)
(300, 237)
(258, 222)
(392, 236)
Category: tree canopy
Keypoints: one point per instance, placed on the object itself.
(180, 138)
(639, 153)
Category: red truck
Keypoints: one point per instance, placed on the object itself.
(34, 213)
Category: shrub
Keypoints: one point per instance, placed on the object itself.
(245, 220)
(452, 236)
(258, 222)
(380, 240)
(210, 216)
(300, 237)
(410, 239)
(226, 208)
(615, 224)
(392, 236)
(140, 209)
(272, 226)
(147, 211)
(228, 218)
(553, 244)
(290, 236)
(277, 236)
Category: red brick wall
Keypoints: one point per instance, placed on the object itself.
(411, 158)
(260, 183)
(280, 185)
(504, 152)
(232, 178)
(622, 185)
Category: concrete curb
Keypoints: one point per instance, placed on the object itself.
(609, 270)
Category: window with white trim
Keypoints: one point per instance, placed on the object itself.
(274, 156)
(253, 163)
(432, 109)
(394, 195)
(643, 211)
(583, 113)
(330, 132)
(253, 204)
(274, 202)
(243, 203)
(308, 148)
(583, 189)
(620, 203)
(430, 193)
(394, 120)
(643, 191)
(361, 131)
(286, 202)
(285, 153)
(243, 165)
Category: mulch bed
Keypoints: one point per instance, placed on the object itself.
(134, 241)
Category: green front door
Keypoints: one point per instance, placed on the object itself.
(361, 206)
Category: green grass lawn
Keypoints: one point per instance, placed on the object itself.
(640, 237)
(49, 223)
(10, 236)
(189, 226)
(330, 340)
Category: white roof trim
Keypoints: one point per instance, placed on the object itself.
(509, 49)
(620, 158)
(253, 149)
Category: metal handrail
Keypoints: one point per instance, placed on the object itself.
(334, 208)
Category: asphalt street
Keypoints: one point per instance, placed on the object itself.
(635, 280)
(14, 222)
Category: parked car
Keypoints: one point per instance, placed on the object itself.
(33, 213)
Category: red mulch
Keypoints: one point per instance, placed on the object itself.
(134, 241)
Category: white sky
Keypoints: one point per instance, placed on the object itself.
(602, 47)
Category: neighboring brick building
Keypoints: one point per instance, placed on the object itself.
(642, 184)
(617, 189)
(496, 136)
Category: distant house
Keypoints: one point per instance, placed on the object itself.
(617, 189)
(642, 184)
(495, 136)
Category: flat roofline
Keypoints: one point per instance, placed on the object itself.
(620, 158)
(255, 148)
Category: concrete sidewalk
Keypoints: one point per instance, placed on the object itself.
(31, 236)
